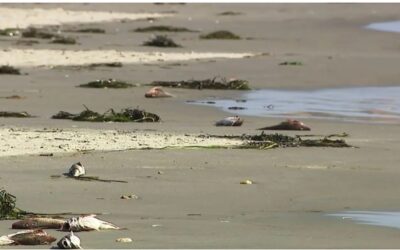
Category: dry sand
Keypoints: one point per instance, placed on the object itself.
(197, 201)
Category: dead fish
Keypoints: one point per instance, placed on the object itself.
(69, 241)
(288, 125)
(27, 237)
(230, 121)
(87, 223)
(76, 170)
(157, 92)
(44, 223)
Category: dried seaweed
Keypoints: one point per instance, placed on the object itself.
(291, 63)
(214, 83)
(221, 34)
(63, 40)
(38, 33)
(110, 64)
(162, 41)
(9, 70)
(88, 30)
(10, 32)
(125, 115)
(109, 83)
(96, 178)
(15, 114)
(230, 13)
(163, 28)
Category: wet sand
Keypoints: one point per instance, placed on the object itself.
(197, 201)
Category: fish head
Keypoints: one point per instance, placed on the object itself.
(70, 225)
(70, 241)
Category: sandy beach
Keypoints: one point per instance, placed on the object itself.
(192, 198)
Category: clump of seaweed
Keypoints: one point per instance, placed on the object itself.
(221, 34)
(109, 83)
(213, 83)
(162, 41)
(125, 115)
(111, 64)
(88, 30)
(291, 63)
(163, 28)
(230, 13)
(15, 114)
(6, 69)
(10, 32)
(38, 33)
(63, 40)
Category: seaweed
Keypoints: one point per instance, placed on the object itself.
(291, 63)
(63, 40)
(221, 34)
(95, 178)
(230, 13)
(125, 115)
(38, 33)
(110, 64)
(161, 41)
(9, 70)
(110, 83)
(27, 42)
(88, 30)
(15, 114)
(163, 28)
(10, 32)
(213, 83)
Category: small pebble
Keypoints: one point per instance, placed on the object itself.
(124, 240)
(246, 182)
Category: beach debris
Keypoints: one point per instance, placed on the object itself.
(125, 115)
(288, 125)
(22, 114)
(221, 34)
(38, 222)
(161, 41)
(27, 237)
(14, 97)
(129, 197)
(110, 64)
(124, 240)
(163, 28)
(63, 40)
(230, 121)
(230, 13)
(246, 182)
(214, 83)
(157, 92)
(291, 63)
(76, 170)
(87, 30)
(69, 241)
(38, 33)
(87, 223)
(26, 42)
(10, 32)
(108, 83)
(9, 70)
(236, 108)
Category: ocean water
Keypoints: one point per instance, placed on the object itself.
(385, 219)
(374, 104)
(393, 26)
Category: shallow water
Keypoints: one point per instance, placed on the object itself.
(385, 219)
(375, 104)
(393, 26)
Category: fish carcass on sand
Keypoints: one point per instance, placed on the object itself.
(76, 170)
(86, 223)
(157, 92)
(27, 237)
(230, 121)
(69, 241)
(288, 125)
(38, 222)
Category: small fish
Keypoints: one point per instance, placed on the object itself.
(230, 121)
(27, 237)
(44, 223)
(288, 125)
(87, 223)
(69, 241)
(76, 170)
(157, 92)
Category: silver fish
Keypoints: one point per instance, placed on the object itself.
(69, 241)
(39, 222)
(230, 121)
(87, 223)
(27, 237)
